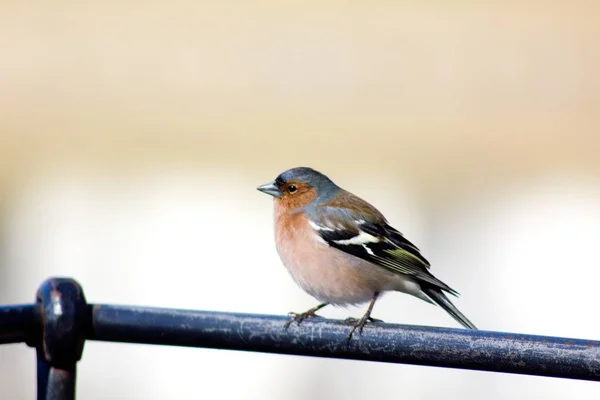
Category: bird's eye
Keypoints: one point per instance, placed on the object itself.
(292, 188)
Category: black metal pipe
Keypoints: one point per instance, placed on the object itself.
(16, 322)
(60, 321)
(441, 347)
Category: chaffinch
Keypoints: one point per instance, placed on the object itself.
(342, 251)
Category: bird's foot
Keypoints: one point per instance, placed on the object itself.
(359, 325)
(298, 318)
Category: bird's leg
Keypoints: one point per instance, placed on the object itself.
(360, 324)
(301, 317)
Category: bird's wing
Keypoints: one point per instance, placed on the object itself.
(367, 235)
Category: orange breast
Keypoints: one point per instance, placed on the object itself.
(326, 273)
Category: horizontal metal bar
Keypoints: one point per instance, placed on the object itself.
(441, 347)
(16, 322)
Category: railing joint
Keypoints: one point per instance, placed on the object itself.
(62, 315)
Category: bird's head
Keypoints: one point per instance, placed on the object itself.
(298, 187)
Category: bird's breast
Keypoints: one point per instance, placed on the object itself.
(326, 273)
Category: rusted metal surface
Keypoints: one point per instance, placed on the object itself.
(440, 347)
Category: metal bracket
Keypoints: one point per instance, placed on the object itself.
(62, 313)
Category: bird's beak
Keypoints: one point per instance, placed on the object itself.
(270, 188)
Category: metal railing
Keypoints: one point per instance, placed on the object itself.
(60, 321)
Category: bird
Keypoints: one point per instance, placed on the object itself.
(342, 251)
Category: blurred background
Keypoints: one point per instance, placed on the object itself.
(133, 136)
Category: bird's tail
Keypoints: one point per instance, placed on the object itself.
(441, 300)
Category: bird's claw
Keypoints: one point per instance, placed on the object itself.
(299, 317)
(359, 324)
